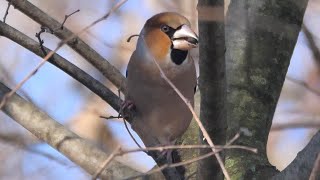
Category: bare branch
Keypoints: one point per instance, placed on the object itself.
(47, 29)
(75, 72)
(105, 163)
(41, 42)
(301, 167)
(316, 169)
(19, 141)
(312, 43)
(303, 84)
(162, 148)
(165, 166)
(7, 11)
(294, 125)
(77, 44)
(130, 37)
(60, 44)
(66, 17)
(112, 117)
(78, 150)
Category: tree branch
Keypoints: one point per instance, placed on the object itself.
(7, 11)
(75, 72)
(60, 44)
(312, 44)
(302, 165)
(18, 140)
(67, 16)
(304, 85)
(77, 44)
(56, 135)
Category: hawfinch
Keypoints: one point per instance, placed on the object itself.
(161, 115)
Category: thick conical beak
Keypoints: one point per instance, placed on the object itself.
(184, 38)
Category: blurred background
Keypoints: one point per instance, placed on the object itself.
(73, 105)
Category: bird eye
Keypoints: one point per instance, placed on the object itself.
(165, 28)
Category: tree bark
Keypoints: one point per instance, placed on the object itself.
(94, 85)
(78, 150)
(109, 71)
(261, 36)
(212, 85)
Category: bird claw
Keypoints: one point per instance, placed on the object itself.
(127, 104)
(126, 107)
(168, 154)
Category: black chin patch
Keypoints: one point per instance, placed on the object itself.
(178, 56)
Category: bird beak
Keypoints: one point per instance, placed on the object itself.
(184, 38)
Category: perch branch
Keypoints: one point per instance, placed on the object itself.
(51, 53)
(109, 71)
(69, 68)
(78, 150)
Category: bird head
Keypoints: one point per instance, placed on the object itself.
(169, 32)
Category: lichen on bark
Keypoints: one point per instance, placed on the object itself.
(260, 38)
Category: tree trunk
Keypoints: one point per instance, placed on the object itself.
(261, 36)
(212, 86)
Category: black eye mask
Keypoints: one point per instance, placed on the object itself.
(177, 55)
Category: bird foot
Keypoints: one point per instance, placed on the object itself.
(127, 104)
(126, 107)
(166, 154)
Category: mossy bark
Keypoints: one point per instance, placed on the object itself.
(260, 38)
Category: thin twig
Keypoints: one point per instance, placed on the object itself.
(316, 169)
(41, 42)
(130, 134)
(111, 117)
(19, 141)
(303, 84)
(312, 43)
(88, 53)
(84, 78)
(66, 17)
(295, 125)
(125, 123)
(60, 44)
(106, 162)
(171, 147)
(174, 165)
(130, 37)
(191, 175)
(47, 29)
(7, 12)
(187, 161)
(187, 102)
(233, 139)
(162, 148)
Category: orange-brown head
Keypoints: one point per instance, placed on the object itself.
(166, 33)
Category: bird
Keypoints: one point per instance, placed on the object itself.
(161, 115)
